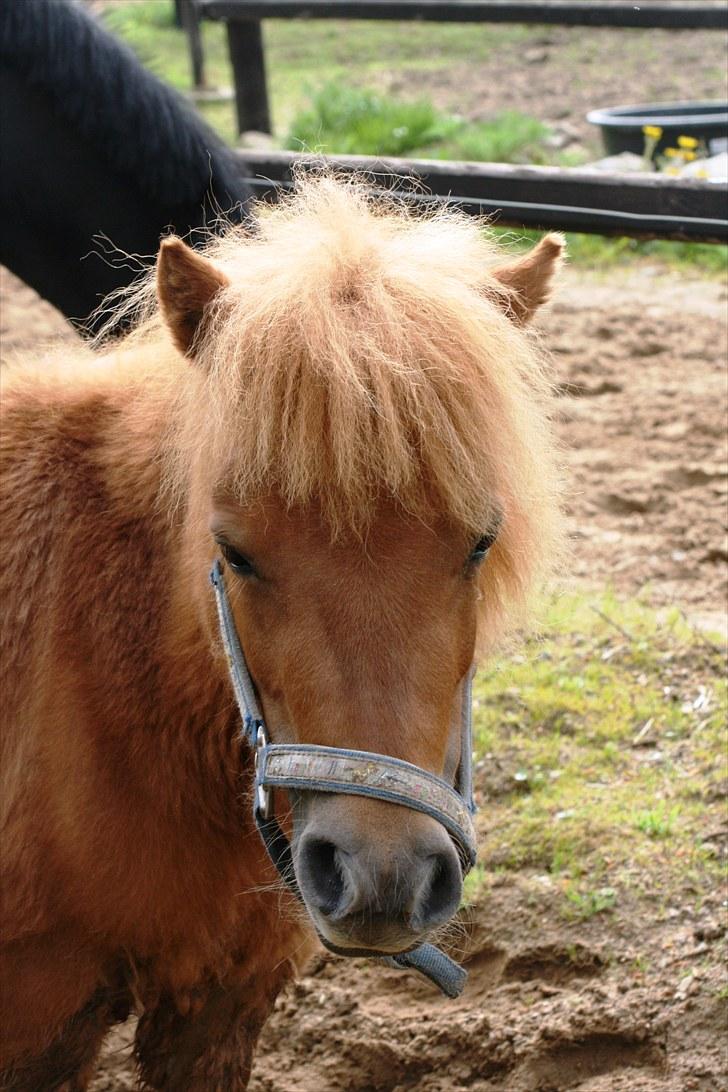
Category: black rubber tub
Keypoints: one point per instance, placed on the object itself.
(622, 125)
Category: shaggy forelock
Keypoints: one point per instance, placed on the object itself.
(362, 352)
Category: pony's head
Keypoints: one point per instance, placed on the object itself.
(362, 431)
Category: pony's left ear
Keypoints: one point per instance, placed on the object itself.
(186, 286)
(530, 278)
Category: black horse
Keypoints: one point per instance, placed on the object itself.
(94, 147)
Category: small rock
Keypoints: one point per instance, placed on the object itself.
(625, 163)
(686, 986)
(710, 930)
(558, 140)
(624, 503)
(676, 430)
(647, 347)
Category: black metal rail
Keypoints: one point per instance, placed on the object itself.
(682, 16)
(641, 206)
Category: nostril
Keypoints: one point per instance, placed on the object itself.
(440, 896)
(321, 875)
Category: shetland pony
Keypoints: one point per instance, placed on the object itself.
(94, 145)
(347, 407)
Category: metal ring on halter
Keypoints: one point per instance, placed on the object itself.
(263, 794)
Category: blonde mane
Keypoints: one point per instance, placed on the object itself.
(362, 351)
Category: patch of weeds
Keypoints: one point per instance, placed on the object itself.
(640, 964)
(582, 905)
(473, 883)
(345, 120)
(657, 822)
(510, 137)
(598, 750)
(348, 120)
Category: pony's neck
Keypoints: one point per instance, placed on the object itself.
(185, 718)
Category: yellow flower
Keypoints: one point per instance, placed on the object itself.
(653, 131)
(672, 152)
(687, 142)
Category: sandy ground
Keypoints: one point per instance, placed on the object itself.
(641, 366)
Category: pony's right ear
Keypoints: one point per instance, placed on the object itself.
(529, 278)
(186, 286)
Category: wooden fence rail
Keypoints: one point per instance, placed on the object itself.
(642, 206)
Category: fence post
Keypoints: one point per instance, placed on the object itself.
(245, 42)
(190, 20)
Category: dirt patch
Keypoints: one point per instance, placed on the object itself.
(361, 1029)
(553, 963)
(571, 1013)
(26, 320)
(642, 366)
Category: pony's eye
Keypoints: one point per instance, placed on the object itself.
(481, 548)
(237, 561)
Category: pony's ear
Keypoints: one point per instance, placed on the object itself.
(530, 278)
(186, 286)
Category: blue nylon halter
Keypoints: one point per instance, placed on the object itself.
(360, 773)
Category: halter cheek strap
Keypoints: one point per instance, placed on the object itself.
(313, 768)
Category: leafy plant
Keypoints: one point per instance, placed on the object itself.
(657, 822)
(511, 137)
(582, 905)
(348, 120)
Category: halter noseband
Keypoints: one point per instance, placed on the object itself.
(313, 768)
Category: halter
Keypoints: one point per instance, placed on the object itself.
(306, 767)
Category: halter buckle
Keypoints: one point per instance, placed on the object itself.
(262, 793)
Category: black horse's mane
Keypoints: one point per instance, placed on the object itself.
(98, 86)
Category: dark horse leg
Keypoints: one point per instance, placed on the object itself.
(67, 1065)
(210, 1050)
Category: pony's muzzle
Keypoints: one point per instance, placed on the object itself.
(375, 875)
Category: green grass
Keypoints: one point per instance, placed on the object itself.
(510, 137)
(657, 822)
(347, 120)
(303, 59)
(602, 253)
(582, 905)
(301, 54)
(344, 120)
(599, 768)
